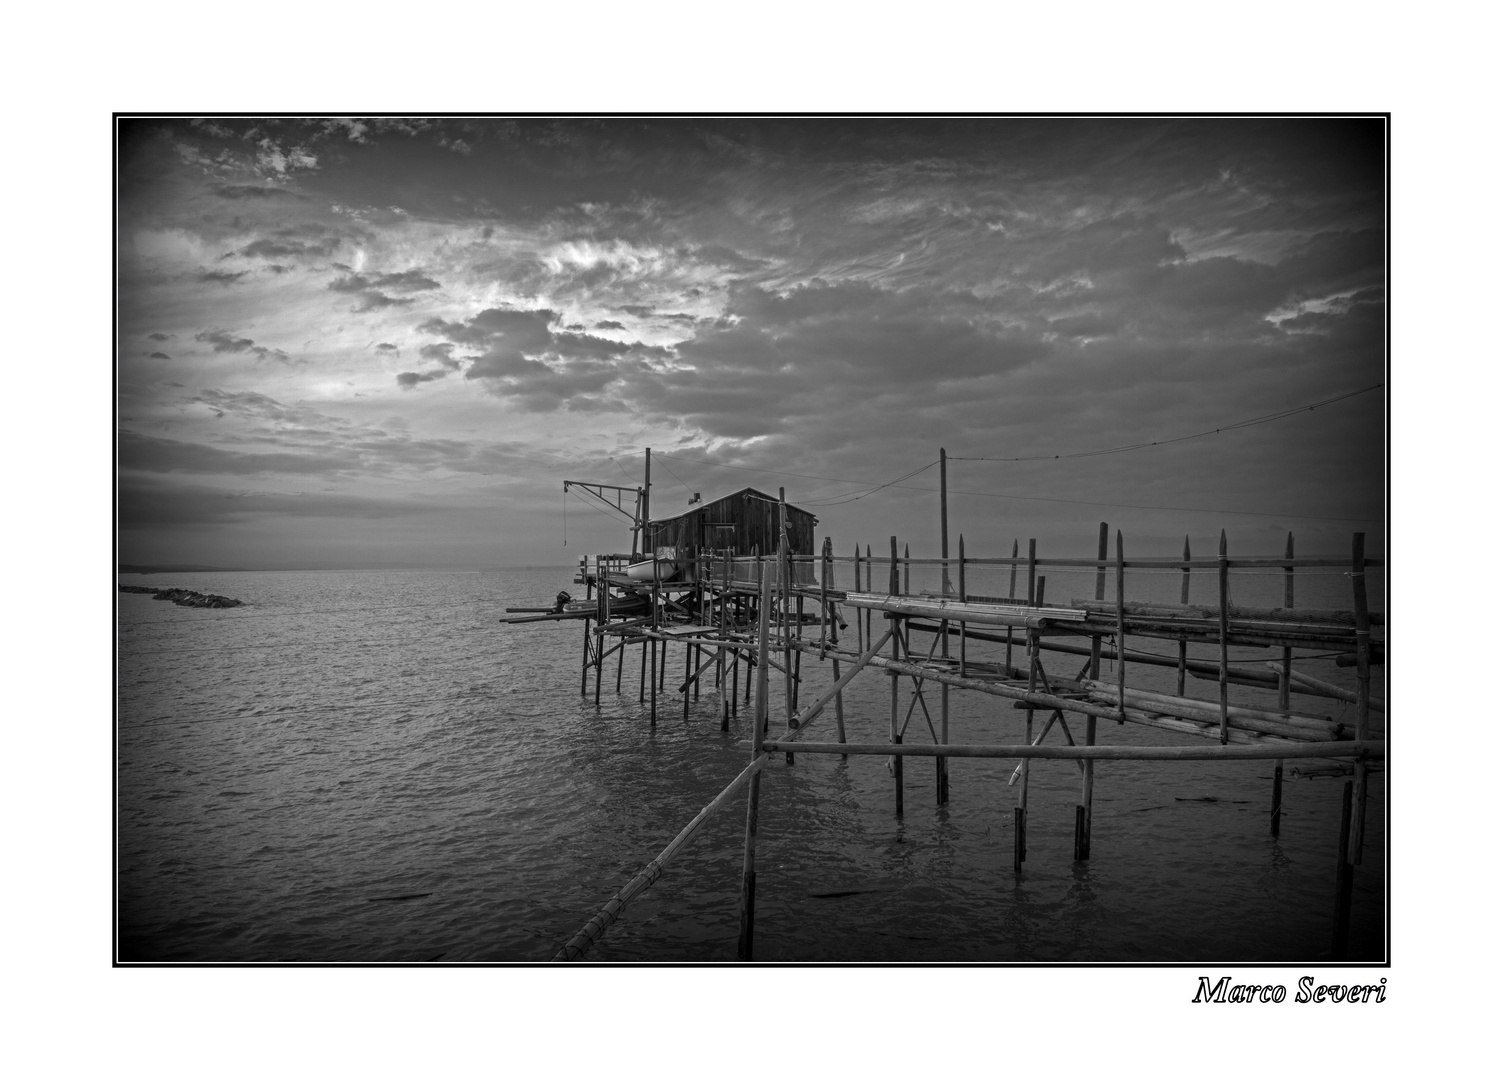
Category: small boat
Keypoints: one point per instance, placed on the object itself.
(642, 571)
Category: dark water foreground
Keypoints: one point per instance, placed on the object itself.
(368, 767)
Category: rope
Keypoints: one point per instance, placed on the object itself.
(1269, 418)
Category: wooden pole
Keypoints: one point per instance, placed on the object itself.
(835, 641)
(1012, 594)
(1088, 771)
(860, 639)
(1342, 919)
(1032, 570)
(753, 792)
(941, 765)
(1184, 599)
(895, 734)
(1276, 811)
(868, 589)
(1121, 632)
(1020, 812)
(1364, 691)
(960, 554)
(1222, 586)
(584, 667)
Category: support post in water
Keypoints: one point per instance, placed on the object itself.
(1020, 812)
(896, 735)
(754, 788)
(1364, 690)
(1121, 635)
(1342, 919)
(1184, 599)
(1276, 811)
(942, 765)
(1222, 586)
(1088, 773)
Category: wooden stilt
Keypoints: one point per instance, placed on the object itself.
(1222, 585)
(584, 666)
(642, 686)
(1088, 773)
(1020, 813)
(1364, 691)
(652, 708)
(1276, 811)
(1342, 920)
(895, 734)
(1012, 594)
(759, 727)
(1184, 599)
(688, 676)
(960, 554)
(1121, 631)
(1032, 570)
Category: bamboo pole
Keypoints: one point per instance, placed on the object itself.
(1364, 691)
(868, 589)
(1282, 725)
(592, 930)
(753, 792)
(1323, 688)
(1065, 752)
(1222, 584)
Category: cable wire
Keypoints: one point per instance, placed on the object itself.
(1254, 421)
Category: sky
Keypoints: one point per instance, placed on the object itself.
(388, 342)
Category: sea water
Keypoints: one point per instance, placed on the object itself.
(368, 766)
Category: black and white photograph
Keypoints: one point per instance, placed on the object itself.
(785, 539)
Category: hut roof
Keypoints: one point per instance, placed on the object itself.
(745, 492)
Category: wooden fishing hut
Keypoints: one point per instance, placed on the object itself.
(773, 632)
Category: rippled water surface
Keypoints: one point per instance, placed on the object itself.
(367, 766)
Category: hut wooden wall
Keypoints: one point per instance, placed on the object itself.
(743, 521)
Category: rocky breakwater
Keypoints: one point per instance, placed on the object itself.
(183, 597)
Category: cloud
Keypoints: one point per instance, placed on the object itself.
(221, 277)
(374, 301)
(284, 249)
(609, 324)
(409, 379)
(522, 357)
(388, 347)
(160, 337)
(147, 453)
(406, 281)
(250, 191)
(224, 342)
(443, 353)
(160, 356)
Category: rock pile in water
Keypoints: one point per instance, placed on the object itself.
(183, 597)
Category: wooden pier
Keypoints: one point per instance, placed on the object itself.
(744, 620)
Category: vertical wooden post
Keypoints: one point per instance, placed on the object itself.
(906, 590)
(1088, 773)
(860, 640)
(584, 665)
(1184, 599)
(1033, 570)
(941, 764)
(1121, 635)
(868, 589)
(1222, 587)
(754, 786)
(642, 686)
(1364, 691)
(1012, 594)
(688, 675)
(785, 586)
(1020, 812)
(960, 554)
(1342, 919)
(1277, 810)
(897, 737)
(834, 641)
